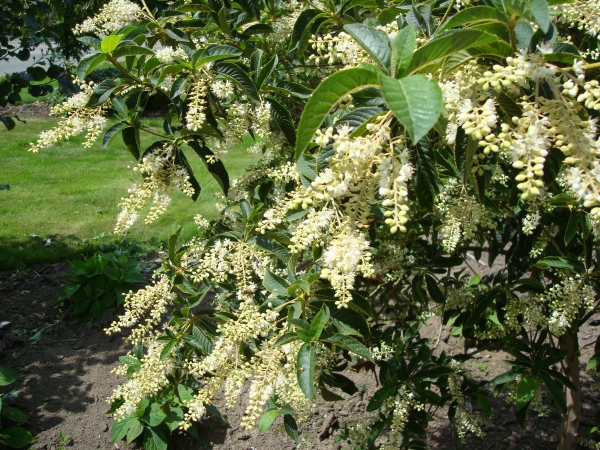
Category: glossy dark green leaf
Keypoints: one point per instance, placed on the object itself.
(480, 306)
(473, 15)
(572, 227)
(348, 343)
(8, 376)
(88, 64)
(236, 74)
(561, 262)
(373, 41)
(403, 47)
(112, 132)
(437, 49)
(318, 322)
(325, 97)
(16, 437)
(290, 426)
(555, 392)
(305, 367)
(275, 284)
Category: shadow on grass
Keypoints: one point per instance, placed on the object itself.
(34, 249)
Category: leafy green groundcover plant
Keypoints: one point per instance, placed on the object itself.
(396, 138)
(100, 283)
(12, 436)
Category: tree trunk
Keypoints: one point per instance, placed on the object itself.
(569, 428)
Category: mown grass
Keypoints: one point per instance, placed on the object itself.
(70, 195)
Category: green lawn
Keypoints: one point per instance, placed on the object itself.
(70, 195)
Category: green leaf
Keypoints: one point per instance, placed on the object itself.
(216, 169)
(453, 42)
(426, 178)
(480, 306)
(135, 429)
(593, 361)
(292, 89)
(350, 344)
(155, 440)
(88, 64)
(572, 227)
(167, 349)
(120, 427)
(305, 367)
(373, 41)
(561, 262)
(381, 395)
(236, 74)
(290, 426)
(319, 321)
(185, 393)
(286, 339)
(326, 96)
(102, 92)
(284, 119)
(129, 50)
(415, 101)
(8, 376)
(536, 11)
(172, 244)
(16, 437)
(403, 47)
(526, 390)
(275, 284)
(474, 15)
(485, 404)
(112, 132)
(109, 43)
(267, 420)
(555, 392)
(273, 247)
(434, 290)
(12, 413)
(504, 378)
(156, 415)
(131, 139)
(266, 71)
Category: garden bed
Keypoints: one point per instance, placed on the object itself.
(66, 380)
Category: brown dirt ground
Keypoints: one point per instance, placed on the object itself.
(66, 379)
(27, 110)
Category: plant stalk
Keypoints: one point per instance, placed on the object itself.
(569, 428)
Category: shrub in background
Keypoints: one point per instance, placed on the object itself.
(100, 283)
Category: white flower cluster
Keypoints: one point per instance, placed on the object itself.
(340, 49)
(394, 177)
(160, 173)
(144, 310)
(400, 407)
(195, 116)
(462, 214)
(582, 15)
(152, 376)
(166, 55)
(79, 119)
(346, 255)
(113, 16)
(223, 89)
(566, 300)
(312, 230)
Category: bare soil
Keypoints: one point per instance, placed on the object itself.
(27, 110)
(66, 380)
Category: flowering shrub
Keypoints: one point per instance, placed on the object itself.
(396, 138)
